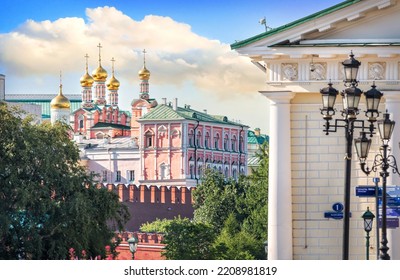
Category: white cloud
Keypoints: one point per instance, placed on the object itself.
(176, 56)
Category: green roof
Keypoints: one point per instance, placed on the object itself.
(102, 125)
(252, 138)
(293, 24)
(46, 112)
(166, 112)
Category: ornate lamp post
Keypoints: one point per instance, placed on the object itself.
(351, 96)
(368, 217)
(133, 243)
(384, 161)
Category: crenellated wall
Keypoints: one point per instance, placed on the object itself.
(150, 246)
(147, 203)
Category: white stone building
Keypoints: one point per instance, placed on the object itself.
(307, 168)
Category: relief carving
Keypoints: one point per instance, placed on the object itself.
(376, 70)
(289, 71)
(319, 72)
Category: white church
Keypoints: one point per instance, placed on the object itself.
(310, 171)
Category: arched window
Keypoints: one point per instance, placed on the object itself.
(81, 121)
(233, 141)
(207, 140)
(226, 173)
(191, 138)
(191, 169)
(241, 144)
(234, 174)
(216, 141)
(175, 136)
(149, 139)
(226, 141)
(198, 139)
(163, 171)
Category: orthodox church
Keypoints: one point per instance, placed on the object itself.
(154, 155)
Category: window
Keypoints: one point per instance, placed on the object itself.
(207, 141)
(216, 141)
(191, 138)
(149, 139)
(233, 143)
(163, 172)
(191, 171)
(198, 139)
(104, 176)
(241, 144)
(226, 141)
(131, 175)
(226, 172)
(118, 176)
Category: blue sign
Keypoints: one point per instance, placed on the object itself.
(391, 222)
(334, 215)
(338, 212)
(367, 191)
(338, 207)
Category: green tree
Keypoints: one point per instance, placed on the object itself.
(48, 202)
(255, 201)
(189, 240)
(215, 198)
(235, 243)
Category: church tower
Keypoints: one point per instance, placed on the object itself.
(60, 108)
(113, 86)
(144, 104)
(87, 83)
(99, 76)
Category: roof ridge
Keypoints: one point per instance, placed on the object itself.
(292, 24)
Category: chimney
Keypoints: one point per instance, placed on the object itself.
(164, 101)
(257, 131)
(205, 111)
(175, 104)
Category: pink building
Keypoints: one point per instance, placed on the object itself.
(156, 154)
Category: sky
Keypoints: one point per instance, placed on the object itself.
(187, 47)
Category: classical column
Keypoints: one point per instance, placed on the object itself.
(392, 102)
(280, 185)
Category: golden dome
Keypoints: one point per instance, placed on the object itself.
(100, 74)
(60, 101)
(113, 83)
(144, 74)
(86, 80)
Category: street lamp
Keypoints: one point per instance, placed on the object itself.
(368, 217)
(351, 96)
(384, 161)
(133, 243)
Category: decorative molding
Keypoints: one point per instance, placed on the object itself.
(289, 71)
(319, 72)
(376, 70)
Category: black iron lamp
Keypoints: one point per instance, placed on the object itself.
(351, 66)
(372, 98)
(386, 127)
(363, 144)
(328, 101)
(368, 217)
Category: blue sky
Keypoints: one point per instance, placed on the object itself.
(40, 38)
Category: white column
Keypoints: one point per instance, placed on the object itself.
(393, 107)
(279, 186)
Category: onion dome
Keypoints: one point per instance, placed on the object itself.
(113, 83)
(144, 74)
(60, 101)
(100, 74)
(86, 80)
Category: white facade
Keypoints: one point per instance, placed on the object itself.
(306, 166)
